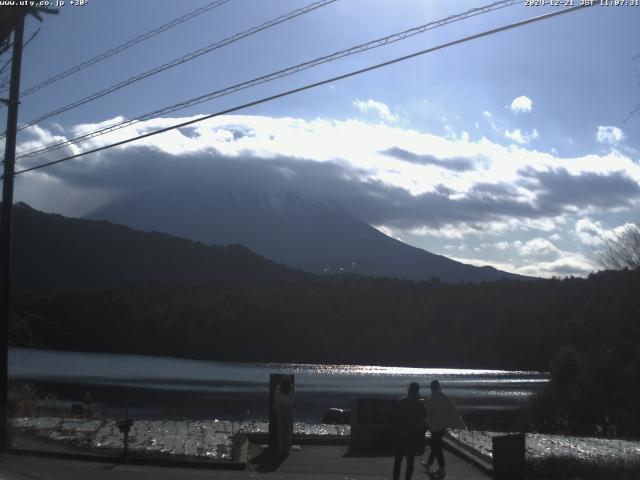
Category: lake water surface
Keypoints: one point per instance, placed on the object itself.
(164, 387)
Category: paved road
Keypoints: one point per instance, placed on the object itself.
(312, 462)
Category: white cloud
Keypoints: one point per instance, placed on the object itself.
(479, 262)
(609, 134)
(539, 247)
(570, 264)
(461, 230)
(521, 104)
(589, 232)
(490, 119)
(358, 145)
(389, 232)
(521, 137)
(592, 233)
(379, 108)
(490, 229)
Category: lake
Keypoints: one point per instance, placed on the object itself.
(164, 387)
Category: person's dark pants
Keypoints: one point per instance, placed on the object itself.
(397, 462)
(436, 449)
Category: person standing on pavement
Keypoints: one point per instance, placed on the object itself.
(410, 430)
(441, 413)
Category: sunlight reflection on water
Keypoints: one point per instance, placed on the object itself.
(381, 370)
(318, 386)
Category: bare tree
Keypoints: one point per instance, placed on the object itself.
(622, 250)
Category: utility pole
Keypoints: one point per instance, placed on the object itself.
(5, 228)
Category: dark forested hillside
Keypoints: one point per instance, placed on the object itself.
(93, 286)
(348, 320)
(56, 252)
(176, 297)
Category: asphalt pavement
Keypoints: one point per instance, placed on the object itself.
(311, 462)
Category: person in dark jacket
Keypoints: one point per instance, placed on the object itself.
(410, 429)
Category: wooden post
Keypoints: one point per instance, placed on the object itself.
(5, 228)
(274, 381)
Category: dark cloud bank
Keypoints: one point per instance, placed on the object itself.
(457, 164)
(137, 169)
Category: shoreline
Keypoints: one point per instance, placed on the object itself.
(139, 403)
(203, 438)
(224, 444)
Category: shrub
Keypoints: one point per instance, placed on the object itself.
(21, 397)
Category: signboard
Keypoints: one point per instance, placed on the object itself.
(377, 411)
(373, 422)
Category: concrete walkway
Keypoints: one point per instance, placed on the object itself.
(312, 462)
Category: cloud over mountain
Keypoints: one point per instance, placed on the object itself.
(475, 187)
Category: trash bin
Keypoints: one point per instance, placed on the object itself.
(508, 456)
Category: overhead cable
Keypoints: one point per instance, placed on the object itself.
(273, 76)
(124, 46)
(179, 61)
(312, 85)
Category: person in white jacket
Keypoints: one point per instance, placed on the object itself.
(441, 413)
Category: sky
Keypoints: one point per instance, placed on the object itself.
(518, 150)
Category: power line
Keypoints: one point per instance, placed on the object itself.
(8, 62)
(274, 76)
(313, 85)
(5, 82)
(178, 61)
(124, 46)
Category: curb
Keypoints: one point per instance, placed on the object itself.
(482, 462)
(241, 464)
(298, 439)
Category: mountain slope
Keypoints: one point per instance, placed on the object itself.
(289, 228)
(52, 251)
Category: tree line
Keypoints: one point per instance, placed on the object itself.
(586, 331)
(147, 293)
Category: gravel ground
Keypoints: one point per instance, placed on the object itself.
(209, 439)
